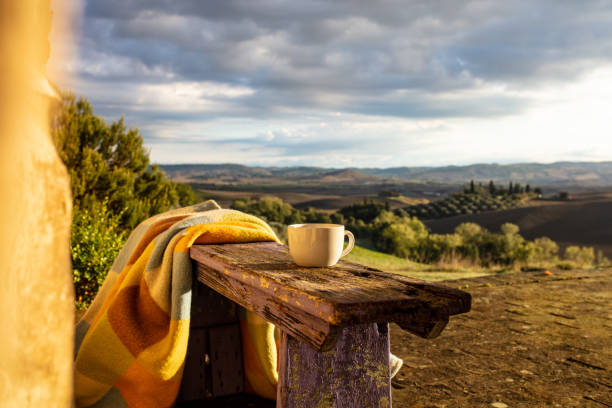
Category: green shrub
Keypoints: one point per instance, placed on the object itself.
(601, 260)
(273, 209)
(544, 250)
(509, 229)
(400, 236)
(583, 256)
(96, 241)
(366, 211)
(436, 247)
(468, 230)
(315, 216)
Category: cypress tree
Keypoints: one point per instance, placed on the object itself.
(517, 188)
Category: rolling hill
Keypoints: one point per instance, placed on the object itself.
(554, 174)
(571, 176)
(585, 220)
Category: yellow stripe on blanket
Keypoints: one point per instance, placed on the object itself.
(132, 341)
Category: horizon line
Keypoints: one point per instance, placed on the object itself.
(385, 168)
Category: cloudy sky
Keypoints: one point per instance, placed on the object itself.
(352, 83)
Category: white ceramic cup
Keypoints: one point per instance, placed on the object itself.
(318, 244)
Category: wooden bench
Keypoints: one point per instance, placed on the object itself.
(334, 347)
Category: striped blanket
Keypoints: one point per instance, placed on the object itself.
(131, 343)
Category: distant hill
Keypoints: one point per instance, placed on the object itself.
(347, 175)
(573, 176)
(560, 173)
(199, 172)
(236, 174)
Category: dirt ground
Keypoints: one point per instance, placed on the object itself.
(531, 340)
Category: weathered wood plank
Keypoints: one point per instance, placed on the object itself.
(354, 374)
(214, 340)
(309, 303)
(226, 360)
(195, 374)
(308, 328)
(209, 308)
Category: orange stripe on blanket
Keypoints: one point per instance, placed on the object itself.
(129, 276)
(136, 319)
(140, 389)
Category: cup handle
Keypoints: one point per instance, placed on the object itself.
(350, 245)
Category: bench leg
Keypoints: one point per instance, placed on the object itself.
(353, 374)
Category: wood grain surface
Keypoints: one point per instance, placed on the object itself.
(311, 304)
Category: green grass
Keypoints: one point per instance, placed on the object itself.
(381, 260)
(394, 264)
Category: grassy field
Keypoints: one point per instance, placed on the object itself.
(390, 263)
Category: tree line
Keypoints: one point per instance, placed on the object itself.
(400, 234)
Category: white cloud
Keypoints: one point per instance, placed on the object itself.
(562, 123)
(187, 96)
(394, 83)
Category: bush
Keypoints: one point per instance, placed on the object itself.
(96, 240)
(583, 256)
(509, 229)
(312, 215)
(601, 260)
(273, 209)
(400, 236)
(436, 247)
(365, 212)
(468, 233)
(544, 250)
(514, 248)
